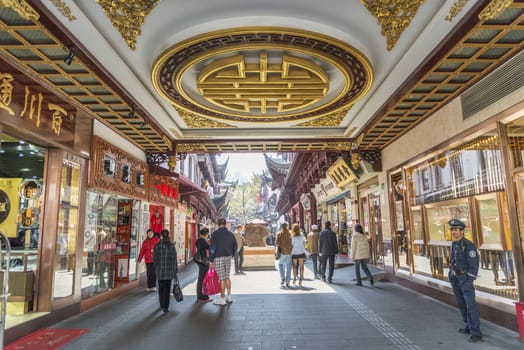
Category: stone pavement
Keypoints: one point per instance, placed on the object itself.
(264, 316)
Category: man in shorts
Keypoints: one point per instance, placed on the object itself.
(222, 248)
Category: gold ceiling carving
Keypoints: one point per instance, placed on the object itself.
(187, 147)
(455, 9)
(168, 142)
(261, 75)
(194, 120)
(64, 9)
(22, 8)
(128, 16)
(330, 120)
(263, 86)
(338, 146)
(262, 146)
(494, 8)
(394, 16)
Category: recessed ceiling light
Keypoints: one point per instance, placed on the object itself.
(20, 154)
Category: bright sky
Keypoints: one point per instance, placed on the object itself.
(243, 165)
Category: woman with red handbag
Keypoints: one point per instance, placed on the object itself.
(203, 265)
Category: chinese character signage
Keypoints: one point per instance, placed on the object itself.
(25, 104)
(341, 174)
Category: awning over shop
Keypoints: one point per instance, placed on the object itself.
(188, 187)
(339, 197)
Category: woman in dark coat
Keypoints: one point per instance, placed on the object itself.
(166, 268)
(202, 247)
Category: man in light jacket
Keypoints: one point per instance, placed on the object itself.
(327, 249)
(312, 246)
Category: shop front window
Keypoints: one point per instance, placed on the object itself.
(21, 196)
(419, 245)
(496, 273)
(99, 249)
(110, 250)
(67, 229)
(440, 238)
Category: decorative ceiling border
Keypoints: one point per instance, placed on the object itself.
(64, 9)
(455, 9)
(220, 146)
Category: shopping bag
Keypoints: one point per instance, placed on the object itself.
(210, 284)
(177, 291)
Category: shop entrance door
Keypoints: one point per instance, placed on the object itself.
(375, 229)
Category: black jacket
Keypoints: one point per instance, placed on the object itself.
(327, 242)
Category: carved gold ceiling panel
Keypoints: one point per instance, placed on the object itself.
(394, 16)
(262, 75)
(128, 16)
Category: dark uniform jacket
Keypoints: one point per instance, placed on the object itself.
(464, 258)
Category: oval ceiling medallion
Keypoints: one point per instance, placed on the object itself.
(261, 74)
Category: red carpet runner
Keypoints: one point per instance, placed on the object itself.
(46, 339)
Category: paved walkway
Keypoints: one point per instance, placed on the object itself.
(264, 316)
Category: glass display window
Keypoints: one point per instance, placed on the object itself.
(65, 252)
(439, 215)
(490, 223)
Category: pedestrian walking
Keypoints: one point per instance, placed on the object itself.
(239, 254)
(283, 243)
(202, 248)
(462, 273)
(328, 249)
(146, 253)
(222, 250)
(360, 253)
(312, 247)
(298, 254)
(166, 268)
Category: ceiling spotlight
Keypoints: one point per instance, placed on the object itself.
(70, 56)
(131, 114)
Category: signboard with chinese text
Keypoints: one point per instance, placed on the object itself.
(26, 105)
(341, 174)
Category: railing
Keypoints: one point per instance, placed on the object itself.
(5, 289)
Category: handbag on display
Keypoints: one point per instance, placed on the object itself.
(200, 258)
(177, 291)
(210, 284)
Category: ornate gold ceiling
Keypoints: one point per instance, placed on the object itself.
(262, 75)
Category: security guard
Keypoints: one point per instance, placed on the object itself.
(462, 273)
